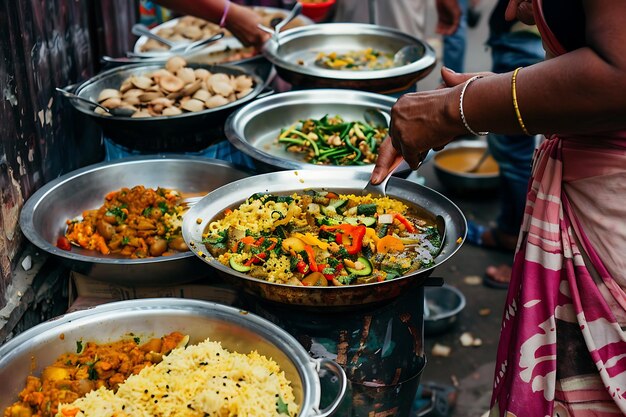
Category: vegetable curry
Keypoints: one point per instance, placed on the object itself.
(93, 365)
(322, 238)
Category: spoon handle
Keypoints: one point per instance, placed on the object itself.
(142, 30)
(297, 8)
(79, 98)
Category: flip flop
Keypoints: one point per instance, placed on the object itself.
(489, 281)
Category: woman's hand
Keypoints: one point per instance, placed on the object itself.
(423, 121)
(242, 22)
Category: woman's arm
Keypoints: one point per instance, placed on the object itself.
(578, 92)
(240, 20)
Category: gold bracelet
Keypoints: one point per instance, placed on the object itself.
(515, 104)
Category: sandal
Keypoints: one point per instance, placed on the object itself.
(493, 272)
(434, 400)
(490, 238)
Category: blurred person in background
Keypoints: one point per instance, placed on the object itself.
(513, 44)
(408, 16)
(562, 344)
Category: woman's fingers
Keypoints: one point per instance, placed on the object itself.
(451, 78)
(386, 157)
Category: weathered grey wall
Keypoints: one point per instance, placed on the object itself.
(46, 44)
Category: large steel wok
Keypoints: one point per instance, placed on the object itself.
(425, 201)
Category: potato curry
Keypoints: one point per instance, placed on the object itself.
(93, 365)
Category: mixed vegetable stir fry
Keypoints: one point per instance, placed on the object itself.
(321, 238)
(333, 141)
(361, 60)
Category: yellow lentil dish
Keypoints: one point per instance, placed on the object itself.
(136, 222)
(93, 366)
(362, 60)
(322, 238)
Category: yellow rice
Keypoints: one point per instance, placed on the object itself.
(200, 380)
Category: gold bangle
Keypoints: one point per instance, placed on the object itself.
(515, 104)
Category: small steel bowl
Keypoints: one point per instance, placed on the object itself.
(44, 215)
(442, 306)
(182, 133)
(254, 128)
(294, 53)
(462, 182)
(237, 330)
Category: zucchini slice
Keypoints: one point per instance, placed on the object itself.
(365, 220)
(365, 271)
(238, 266)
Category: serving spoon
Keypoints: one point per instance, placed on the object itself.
(275, 31)
(119, 111)
(406, 55)
(479, 163)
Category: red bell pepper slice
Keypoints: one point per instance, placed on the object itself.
(407, 224)
(356, 240)
(302, 267)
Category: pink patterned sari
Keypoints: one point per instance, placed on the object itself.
(562, 349)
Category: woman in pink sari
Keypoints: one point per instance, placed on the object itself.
(562, 347)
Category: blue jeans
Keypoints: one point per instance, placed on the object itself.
(513, 152)
(454, 45)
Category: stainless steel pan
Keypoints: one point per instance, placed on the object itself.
(295, 52)
(44, 215)
(237, 330)
(425, 201)
(183, 133)
(253, 128)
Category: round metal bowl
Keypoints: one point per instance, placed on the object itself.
(463, 182)
(237, 330)
(44, 215)
(295, 52)
(253, 129)
(427, 202)
(182, 133)
(224, 43)
(442, 308)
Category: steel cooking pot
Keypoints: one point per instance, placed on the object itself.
(427, 202)
(44, 215)
(237, 330)
(186, 132)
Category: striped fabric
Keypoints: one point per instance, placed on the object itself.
(562, 351)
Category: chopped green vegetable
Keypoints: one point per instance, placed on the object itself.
(281, 406)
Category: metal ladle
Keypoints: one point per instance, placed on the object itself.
(479, 163)
(406, 55)
(275, 31)
(143, 30)
(120, 111)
